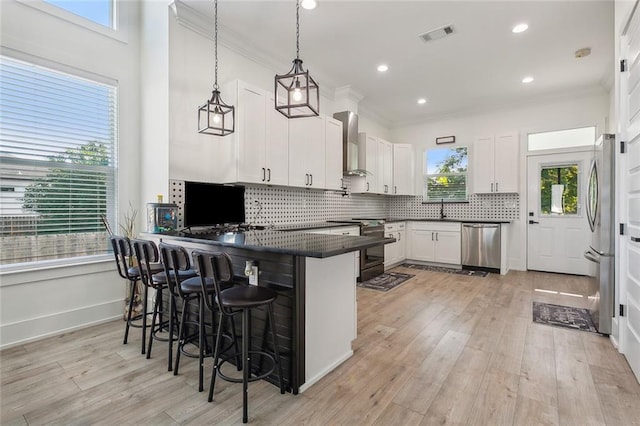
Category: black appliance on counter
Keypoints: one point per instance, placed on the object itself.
(212, 205)
(371, 259)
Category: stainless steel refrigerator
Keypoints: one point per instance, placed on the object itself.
(601, 216)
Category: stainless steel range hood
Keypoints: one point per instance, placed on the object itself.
(349, 143)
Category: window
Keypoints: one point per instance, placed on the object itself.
(57, 152)
(585, 136)
(559, 190)
(445, 174)
(99, 11)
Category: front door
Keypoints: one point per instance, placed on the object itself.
(558, 230)
(629, 260)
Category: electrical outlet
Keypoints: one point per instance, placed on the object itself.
(253, 278)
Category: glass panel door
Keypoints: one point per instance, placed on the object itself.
(559, 190)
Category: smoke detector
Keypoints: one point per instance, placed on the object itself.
(581, 53)
(437, 33)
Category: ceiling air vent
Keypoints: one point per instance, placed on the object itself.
(437, 33)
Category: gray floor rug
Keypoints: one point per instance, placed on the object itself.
(386, 281)
(447, 270)
(563, 316)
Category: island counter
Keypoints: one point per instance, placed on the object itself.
(315, 278)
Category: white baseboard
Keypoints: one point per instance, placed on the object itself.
(21, 332)
(310, 381)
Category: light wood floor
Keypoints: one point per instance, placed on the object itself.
(440, 349)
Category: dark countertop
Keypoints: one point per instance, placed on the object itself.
(448, 220)
(292, 243)
(317, 225)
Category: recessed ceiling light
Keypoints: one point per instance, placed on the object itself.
(308, 4)
(422, 101)
(527, 79)
(520, 28)
(383, 67)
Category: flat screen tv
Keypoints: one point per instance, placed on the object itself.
(208, 204)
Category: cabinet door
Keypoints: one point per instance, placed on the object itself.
(403, 169)
(251, 134)
(483, 165)
(402, 246)
(306, 152)
(507, 162)
(422, 245)
(391, 251)
(276, 145)
(333, 143)
(368, 160)
(386, 185)
(448, 247)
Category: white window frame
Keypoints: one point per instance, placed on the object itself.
(426, 176)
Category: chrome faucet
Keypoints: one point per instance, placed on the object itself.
(442, 215)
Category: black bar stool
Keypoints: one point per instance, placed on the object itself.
(124, 254)
(237, 300)
(189, 290)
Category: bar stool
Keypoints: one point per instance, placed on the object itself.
(238, 300)
(123, 254)
(189, 290)
(147, 255)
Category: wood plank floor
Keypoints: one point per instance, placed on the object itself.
(440, 349)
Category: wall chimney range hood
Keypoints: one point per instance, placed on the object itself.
(349, 143)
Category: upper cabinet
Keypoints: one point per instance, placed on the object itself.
(333, 155)
(307, 152)
(403, 169)
(261, 138)
(389, 167)
(495, 164)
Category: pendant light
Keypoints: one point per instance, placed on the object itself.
(215, 117)
(297, 93)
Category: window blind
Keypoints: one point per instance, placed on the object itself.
(57, 163)
(445, 176)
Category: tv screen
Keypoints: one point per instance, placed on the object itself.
(208, 204)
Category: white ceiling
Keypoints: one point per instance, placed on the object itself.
(478, 67)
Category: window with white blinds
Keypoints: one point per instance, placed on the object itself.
(57, 163)
(445, 174)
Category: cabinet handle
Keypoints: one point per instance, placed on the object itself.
(263, 174)
(311, 181)
(399, 237)
(268, 175)
(635, 239)
(496, 186)
(306, 179)
(341, 182)
(395, 189)
(367, 186)
(432, 237)
(437, 236)
(491, 186)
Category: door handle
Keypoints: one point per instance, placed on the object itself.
(263, 174)
(268, 175)
(589, 255)
(533, 222)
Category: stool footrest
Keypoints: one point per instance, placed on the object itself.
(264, 375)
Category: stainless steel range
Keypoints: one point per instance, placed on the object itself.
(371, 259)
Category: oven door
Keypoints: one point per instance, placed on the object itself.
(372, 258)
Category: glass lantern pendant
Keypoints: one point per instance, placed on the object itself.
(215, 117)
(297, 93)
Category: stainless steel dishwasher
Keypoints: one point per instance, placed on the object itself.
(481, 245)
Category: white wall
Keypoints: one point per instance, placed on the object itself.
(546, 115)
(49, 300)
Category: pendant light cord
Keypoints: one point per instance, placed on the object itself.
(215, 43)
(297, 29)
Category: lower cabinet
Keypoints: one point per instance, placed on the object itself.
(435, 242)
(395, 253)
(341, 230)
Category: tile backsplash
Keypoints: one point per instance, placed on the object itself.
(283, 205)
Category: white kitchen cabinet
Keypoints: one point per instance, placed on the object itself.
(394, 253)
(435, 242)
(341, 230)
(307, 152)
(260, 141)
(333, 157)
(385, 166)
(403, 169)
(367, 160)
(495, 164)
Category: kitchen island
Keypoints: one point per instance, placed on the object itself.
(315, 278)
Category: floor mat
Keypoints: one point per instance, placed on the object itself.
(447, 270)
(386, 281)
(563, 316)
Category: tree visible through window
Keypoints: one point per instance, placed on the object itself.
(559, 190)
(57, 153)
(445, 174)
